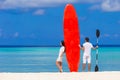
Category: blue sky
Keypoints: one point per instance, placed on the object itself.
(40, 22)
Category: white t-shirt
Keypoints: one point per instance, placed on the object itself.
(87, 48)
(61, 52)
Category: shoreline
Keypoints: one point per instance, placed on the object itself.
(107, 75)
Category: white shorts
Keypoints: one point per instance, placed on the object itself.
(86, 58)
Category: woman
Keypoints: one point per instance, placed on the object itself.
(60, 56)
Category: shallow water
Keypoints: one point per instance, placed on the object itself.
(42, 59)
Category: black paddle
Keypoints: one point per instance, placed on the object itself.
(97, 35)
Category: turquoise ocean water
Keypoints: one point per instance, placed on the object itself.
(42, 59)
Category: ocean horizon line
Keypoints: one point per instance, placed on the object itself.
(2, 46)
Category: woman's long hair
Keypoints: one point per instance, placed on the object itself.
(63, 44)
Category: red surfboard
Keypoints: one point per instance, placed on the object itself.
(71, 37)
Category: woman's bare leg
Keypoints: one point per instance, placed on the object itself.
(59, 65)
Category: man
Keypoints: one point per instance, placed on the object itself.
(87, 46)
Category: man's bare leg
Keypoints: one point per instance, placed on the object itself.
(89, 66)
(83, 66)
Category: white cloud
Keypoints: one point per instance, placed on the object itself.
(106, 35)
(82, 18)
(107, 6)
(13, 4)
(16, 34)
(32, 35)
(95, 7)
(1, 30)
(82, 36)
(119, 22)
(111, 5)
(116, 35)
(0, 34)
(90, 1)
(39, 12)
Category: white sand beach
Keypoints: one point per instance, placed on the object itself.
(61, 76)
